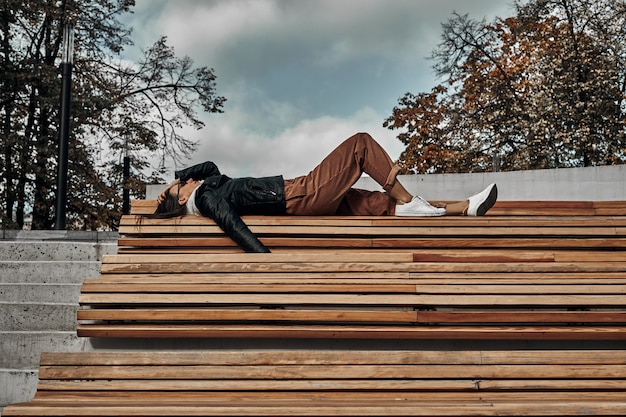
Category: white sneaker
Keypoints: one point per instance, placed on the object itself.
(419, 207)
(480, 203)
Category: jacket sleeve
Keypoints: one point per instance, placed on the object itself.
(198, 172)
(230, 222)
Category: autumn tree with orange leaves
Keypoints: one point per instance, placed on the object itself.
(542, 89)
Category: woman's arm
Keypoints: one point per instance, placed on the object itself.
(198, 172)
(230, 222)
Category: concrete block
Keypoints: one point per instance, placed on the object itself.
(17, 386)
(54, 251)
(44, 293)
(48, 271)
(59, 235)
(37, 316)
(605, 183)
(22, 349)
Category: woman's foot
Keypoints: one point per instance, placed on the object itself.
(480, 203)
(419, 207)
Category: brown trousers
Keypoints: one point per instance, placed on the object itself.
(327, 190)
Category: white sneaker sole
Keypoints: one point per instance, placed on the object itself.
(488, 202)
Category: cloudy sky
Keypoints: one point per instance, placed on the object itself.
(300, 76)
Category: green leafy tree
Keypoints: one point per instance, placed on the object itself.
(542, 89)
(118, 109)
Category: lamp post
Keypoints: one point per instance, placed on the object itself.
(64, 124)
(126, 192)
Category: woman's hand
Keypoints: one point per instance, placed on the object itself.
(163, 195)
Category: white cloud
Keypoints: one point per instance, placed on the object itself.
(293, 152)
(209, 27)
(300, 76)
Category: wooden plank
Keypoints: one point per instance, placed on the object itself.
(102, 286)
(304, 287)
(47, 389)
(496, 255)
(196, 244)
(236, 396)
(522, 316)
(241, 315)
(539, 204)
(370, 257)
(365, 277)
(346, 267)
(377, 231)
(352, 396)
(392, 222)
(386, 226)
(323, 371)
(354, 315)
(609, 208)
(247, 258)
(523, 407)
(505, 255)
(333, 357)
(289, 331)
(50, 389)
(330, 299)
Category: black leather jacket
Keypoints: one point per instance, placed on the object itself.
(225, 199)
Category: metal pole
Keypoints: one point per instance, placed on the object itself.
(64, 125)
(126, 192)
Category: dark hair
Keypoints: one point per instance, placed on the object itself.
(169, 208)
(166, 209)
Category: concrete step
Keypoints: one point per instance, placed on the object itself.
(40, 277)
(54, 250)
(18, 385)
(22, 349)
(43, 293)
(37, 316)
(48, 271)
(58, 236)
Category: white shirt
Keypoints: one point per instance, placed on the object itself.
(191, 203)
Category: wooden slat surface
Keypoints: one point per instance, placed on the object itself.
(553, 270)
(470, 293)
(328, 383)
(527, 271)
(515, 224)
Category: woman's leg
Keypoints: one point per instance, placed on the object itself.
(475, 205)
(458, 208)
(321, 191)
(359, 202)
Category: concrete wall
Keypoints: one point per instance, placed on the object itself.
(591, 183)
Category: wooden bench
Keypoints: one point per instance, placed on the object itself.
(495, 277)
(330, 383)
(534, 225)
